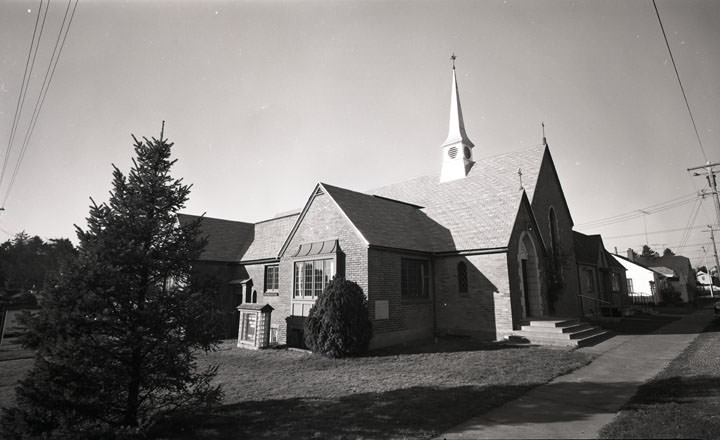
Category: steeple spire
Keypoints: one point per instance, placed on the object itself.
(457, 148)
(456, 129)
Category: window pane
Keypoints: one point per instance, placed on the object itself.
(462, 277)
(415, 278)
(308, 280)
(297, 288)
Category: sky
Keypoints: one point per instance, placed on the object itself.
(265, 99)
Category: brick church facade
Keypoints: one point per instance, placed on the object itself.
(474, 250)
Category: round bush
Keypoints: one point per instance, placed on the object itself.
(339, 324)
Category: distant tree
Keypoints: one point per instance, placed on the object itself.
(702, 269)
(338, 325)
(118, 333)
(668, 253)
(648, 252)
(28, 263)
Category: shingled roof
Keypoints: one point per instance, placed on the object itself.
(233, 241)
(589, 248)
(269, 237)
(479, 211)
(391, 223)
(227, 240)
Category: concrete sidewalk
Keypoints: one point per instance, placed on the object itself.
(579, 404)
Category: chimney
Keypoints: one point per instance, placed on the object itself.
(631, 254)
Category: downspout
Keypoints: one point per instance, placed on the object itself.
(434, 299)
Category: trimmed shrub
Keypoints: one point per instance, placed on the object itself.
(339, 323)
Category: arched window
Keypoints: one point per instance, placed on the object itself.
(462, 277)
(553, 233)
(555, 245)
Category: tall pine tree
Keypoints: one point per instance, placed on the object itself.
(118, 332)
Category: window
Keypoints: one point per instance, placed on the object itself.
(415, 279)
(271, 278)
(311, 278)
(462, 277)
(250, 295)
(588, 280)
(615, 281)
(249, 327)
(630, 287)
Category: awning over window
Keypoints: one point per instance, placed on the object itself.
(317, 248)
(240, 282)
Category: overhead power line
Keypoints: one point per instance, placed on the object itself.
(682, 89)
(636, 213)
(32, 53)
(651, 232)
(47, 80)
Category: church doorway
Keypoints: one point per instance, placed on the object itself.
(529, 269)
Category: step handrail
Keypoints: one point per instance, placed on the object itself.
(595, 299)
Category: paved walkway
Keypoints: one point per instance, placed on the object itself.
(579, 404)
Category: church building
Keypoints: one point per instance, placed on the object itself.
(475, 249)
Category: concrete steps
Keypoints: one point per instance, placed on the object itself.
(562, 333)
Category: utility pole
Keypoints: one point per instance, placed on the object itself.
(712, 238)
(712, 290)
(709, 171)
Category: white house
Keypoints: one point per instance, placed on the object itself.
(643, 283)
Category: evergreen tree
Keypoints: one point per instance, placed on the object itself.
(338, 325)
(668, 253)
(117, 334)
(647, 251)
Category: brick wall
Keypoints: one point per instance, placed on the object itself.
(279, 303)
(485, 305)
(323, 221)
(407, 319)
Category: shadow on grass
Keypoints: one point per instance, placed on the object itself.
(444, 344)
(417, 412)
(406, 413)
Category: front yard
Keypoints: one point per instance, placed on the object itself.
(413, 392)
(278, 394)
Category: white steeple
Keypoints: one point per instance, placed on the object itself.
(457, 148)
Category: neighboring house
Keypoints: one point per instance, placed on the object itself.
(602, 283)
(472, 250)
(706, 283)
(683, 278)
(643, 283)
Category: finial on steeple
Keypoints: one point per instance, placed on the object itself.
(520, 176)
(544, 138)
(452, 57)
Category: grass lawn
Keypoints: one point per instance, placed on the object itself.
(280, 394)
(683, 401)
(14, 363)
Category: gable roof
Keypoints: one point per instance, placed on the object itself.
(623, 261)
(269, 237)
(479, 210)
(587, 248)
(391, 223)
(590, 249)
(227, 240)
(233, 241)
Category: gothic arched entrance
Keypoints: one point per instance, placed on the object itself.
(529, 271)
